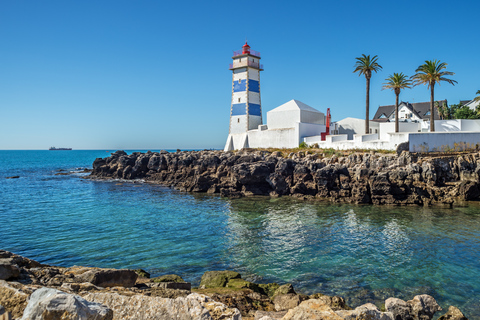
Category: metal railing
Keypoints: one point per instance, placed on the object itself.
(251, 52)
(246, 63)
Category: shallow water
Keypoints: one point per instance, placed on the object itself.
(365, 253)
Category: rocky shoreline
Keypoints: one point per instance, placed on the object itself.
(31, 290)
(360, 178)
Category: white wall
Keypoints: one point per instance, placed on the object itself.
(352, 126)
(239, 75)
(308, 130)
(443, 141)
(242, 95)
(273, 138)
(312, 117)
(238, 124)
(389, 127)
(282, 119)
(254, 74)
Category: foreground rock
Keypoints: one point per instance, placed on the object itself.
(44, 292)
(192, 307)
(374, 178)
(51, 304)
(420, 307)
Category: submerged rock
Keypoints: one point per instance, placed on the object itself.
(215, 279)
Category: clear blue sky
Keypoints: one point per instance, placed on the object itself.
(154, 74)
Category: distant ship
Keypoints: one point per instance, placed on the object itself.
(53, 148)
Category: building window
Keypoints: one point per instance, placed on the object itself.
(376, 131)
(238, 99)
(370, 130)
(238, 120)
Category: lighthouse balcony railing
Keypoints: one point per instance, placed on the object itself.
(251, 52)
(247, 63)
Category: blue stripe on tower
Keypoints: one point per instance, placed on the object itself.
(239, 109)
(239, 86)
(253, 85)
(254, 109)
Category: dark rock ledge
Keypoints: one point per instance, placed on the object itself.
(30, 290)
(370, 178)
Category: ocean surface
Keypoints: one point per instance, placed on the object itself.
(364, 253)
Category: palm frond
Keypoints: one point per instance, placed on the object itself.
(430, 73)
(366, 64)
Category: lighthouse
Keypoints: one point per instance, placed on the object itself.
(246, 106)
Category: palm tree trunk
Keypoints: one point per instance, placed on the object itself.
(367, 124)
(396, 113)
(432, 110)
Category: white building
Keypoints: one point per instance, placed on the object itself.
(286, 125)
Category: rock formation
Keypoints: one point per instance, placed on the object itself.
(407, 179)
(44, 292)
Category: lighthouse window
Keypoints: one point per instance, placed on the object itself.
(238, 99)
(239, 80)
(238, 120)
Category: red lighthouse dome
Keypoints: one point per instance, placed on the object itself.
(246, 48)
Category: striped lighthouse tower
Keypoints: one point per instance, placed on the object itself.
(246, 107)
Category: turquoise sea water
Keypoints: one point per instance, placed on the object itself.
(365, 253)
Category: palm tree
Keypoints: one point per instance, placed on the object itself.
(365, 65)
(397, 82)
(478, 97)
(431, 73)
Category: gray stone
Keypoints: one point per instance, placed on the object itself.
(192, 307)
(8, 272)
(173, 285)
(367, 311)
(110, 277)
(51, 304)
(269, 315)
(399, 308)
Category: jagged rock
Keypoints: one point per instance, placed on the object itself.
(269, 288)
(367, 311)
(269, 315)
(51, 304)
(109, 277)
(173, 285)
(335, 302)
(192, 307)
(215, 279)
(400, 309)
(142, 273)
(168, 278)
(77, 287)
(453, 313)
(424, 307)
(8, 271)
(287, 301)
(406, 179)
(284, 289)
(421, 307)
(13, 297)
(311, 309)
